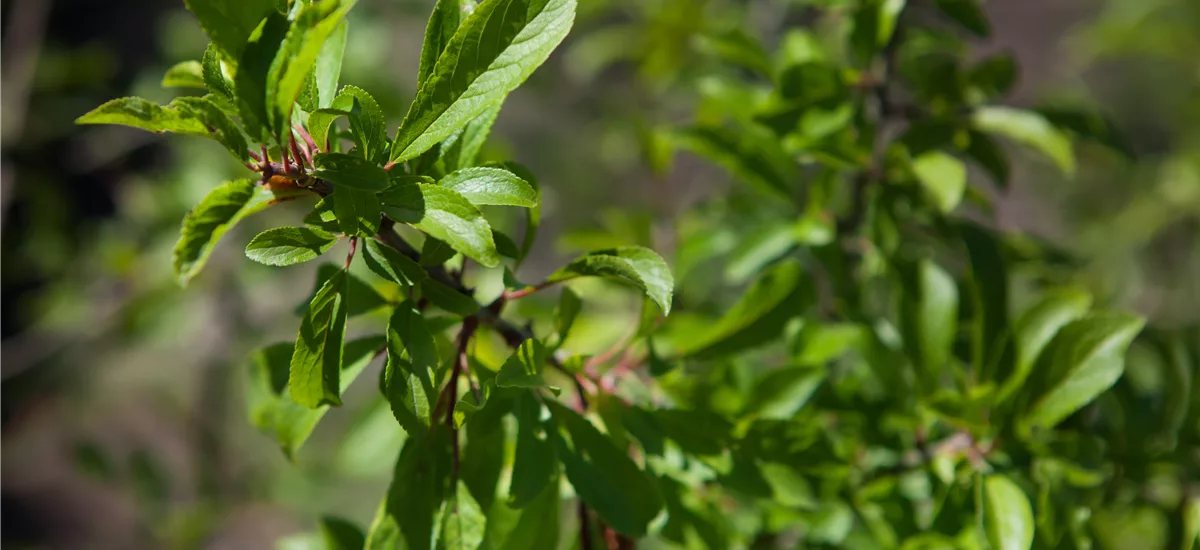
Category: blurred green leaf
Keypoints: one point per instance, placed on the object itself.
(1028, 128)
(1008, 517)
(757, 317)
(185, 74)
(1087, 357)
(1037, 327)
(943, 177)
(341, 534)
(968, 14)
(928, 316)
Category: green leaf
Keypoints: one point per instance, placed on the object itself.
(491, 186)
(464, 524)
(317, 359)
(185, 74)
(328, 68)
(523, 369)
(444, 215)
(757, 317)
(634, 265)
(1008, 517)
(1035, 329)
(443, 22)
(214, 76)
(435, 252)
(988, 292)
(568, 309)
(750, 154)
(284, 246)
(943, 177)
(367, 125)
(819, 343)
(1089, 125)
(604, 476)
(221, 209)
(967, 13)
(874, 24)
(994, 75)
(989, 156)
(448, 299)
(928, 316)
(270, 404)
(389, 263)
(411, 517)
(736, 46)
(410, 379)
(350, 171)
(297, 57)
(146, 115)
(341, 534)
(472, 73)
(538, 526)
(1029, 128)
(535, 465)
(460, 149)
(781, 393)
(1088, 356)
(220, 127)
(362, 297)
(358, 212)
(229, 23)
(252, 77)
(696, 432)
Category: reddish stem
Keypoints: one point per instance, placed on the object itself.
(308, 140)
(353, 249)
(518, 294)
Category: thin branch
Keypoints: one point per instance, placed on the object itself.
(585, 527)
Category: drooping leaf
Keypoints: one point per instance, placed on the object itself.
(350, 171)
(568, 308)
(1089, 125)
(1028, 128)
(362, 297)
(535, 464)
(445, 215)
(284, 246)
(358, 212)
(1087, 357)
(464, 523)
(757, 317)
(943, 177)
(185, 74)
(988, 292)
(633, 265)
(416, 498)
(538, 526)
(928, 316)
(389, 263)
(297, 56)
(229, 23)
(410, 379)
(1035, 329)
(472, 74)
(317, 359)
(1008, 516)
(270, 404)
(604, 476)
(221, 209)
(491, 186)
(738, 47)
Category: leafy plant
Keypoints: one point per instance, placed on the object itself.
(866, 377)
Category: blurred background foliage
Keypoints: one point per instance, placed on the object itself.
(123, 421)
